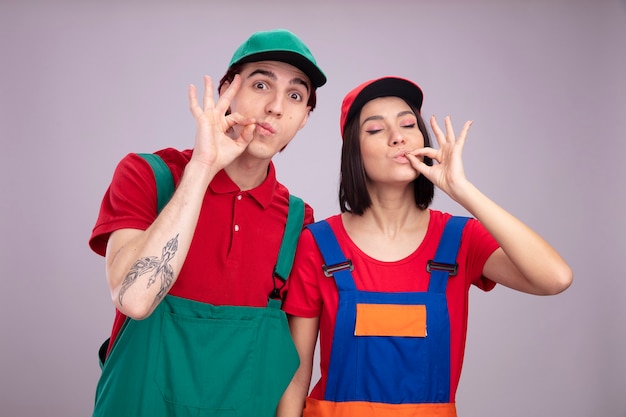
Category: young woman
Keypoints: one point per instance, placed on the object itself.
(386, 282)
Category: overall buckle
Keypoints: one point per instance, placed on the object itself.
(329, 270)
(452, 269)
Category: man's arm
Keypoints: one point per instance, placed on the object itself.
(304, 334)
(142, 266)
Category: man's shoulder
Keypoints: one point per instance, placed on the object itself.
(283, 194)
(175, 159)
(173, 156)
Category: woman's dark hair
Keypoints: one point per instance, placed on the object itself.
(353, 195)
(236, 69)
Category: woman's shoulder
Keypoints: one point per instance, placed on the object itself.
(336, 227)
(473, 229)
(335, 221)
(438, 220)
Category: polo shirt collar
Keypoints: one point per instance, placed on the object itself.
(263, 194)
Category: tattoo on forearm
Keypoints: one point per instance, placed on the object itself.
(159, 269)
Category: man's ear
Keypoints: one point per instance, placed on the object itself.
(223, 87)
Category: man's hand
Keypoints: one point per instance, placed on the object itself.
(217, 144)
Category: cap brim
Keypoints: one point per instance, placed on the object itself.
(316, 76)
(386, 87)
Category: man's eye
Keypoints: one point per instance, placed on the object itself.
(296, 96)
(260, 85)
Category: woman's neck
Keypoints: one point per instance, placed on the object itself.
(390, 229)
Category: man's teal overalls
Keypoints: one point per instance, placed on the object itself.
(195, 359)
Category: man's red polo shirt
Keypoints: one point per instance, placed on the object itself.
(236, 242)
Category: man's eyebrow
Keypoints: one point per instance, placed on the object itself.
(269, 74)
(272, 75)
(300, 81)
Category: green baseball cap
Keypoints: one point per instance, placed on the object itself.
(279, 45)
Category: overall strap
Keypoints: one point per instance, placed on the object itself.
(444, 264)
(335, 262)
(163, 177)
(295, 219)
(287, 251)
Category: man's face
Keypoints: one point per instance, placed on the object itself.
(275, 94)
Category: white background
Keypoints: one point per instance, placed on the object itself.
(82, 83)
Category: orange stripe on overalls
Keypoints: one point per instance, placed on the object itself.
(391, 351)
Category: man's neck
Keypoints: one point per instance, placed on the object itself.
(248, 173)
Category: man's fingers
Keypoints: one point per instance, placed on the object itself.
(208, 94)
(224, 101)
(239, 119)
(248, 133)
(193, 101)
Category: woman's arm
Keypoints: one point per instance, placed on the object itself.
(524, 261)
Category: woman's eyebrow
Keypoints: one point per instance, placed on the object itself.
(375, 117)
(378, 117)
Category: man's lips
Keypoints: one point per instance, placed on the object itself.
(265, 129)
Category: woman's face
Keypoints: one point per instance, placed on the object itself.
(388, 129)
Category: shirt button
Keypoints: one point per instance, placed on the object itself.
(239, 197)
(236, 228)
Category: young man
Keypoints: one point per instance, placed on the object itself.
(194, 333)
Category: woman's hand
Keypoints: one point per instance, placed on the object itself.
(447, 172)
(524, 261)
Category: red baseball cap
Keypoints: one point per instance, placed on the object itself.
(354, 101)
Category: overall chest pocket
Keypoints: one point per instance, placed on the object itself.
(206, 363)
(390, 320)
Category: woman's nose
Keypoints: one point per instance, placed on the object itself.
(396, 138)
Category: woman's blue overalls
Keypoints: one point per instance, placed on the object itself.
(391, 351)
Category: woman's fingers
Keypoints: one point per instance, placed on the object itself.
(439, 135)
(449, 129)
(463, 134)
(448, 136)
